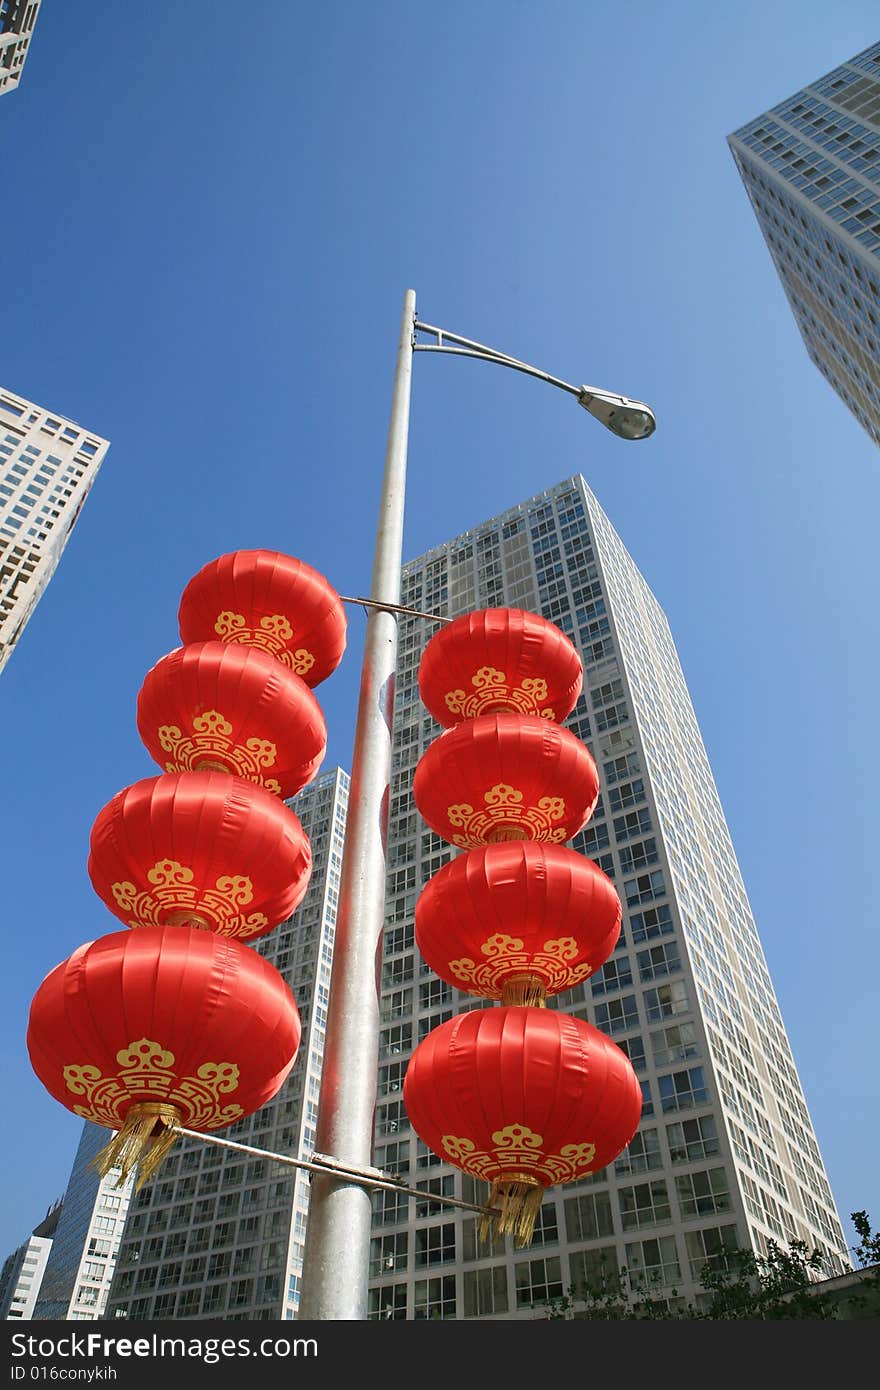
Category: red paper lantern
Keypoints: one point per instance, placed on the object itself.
(145, 1030)
(517, 922)
(228, 708)
(524, 1099)
(271, 601)
(200, 849)
(499, 659)
(506, 777)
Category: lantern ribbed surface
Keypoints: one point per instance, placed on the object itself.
(200, 848)
(497, 659)
(141, 1030)
(271, 601)
(210, 706)
(523, 1098)
(506, 777)
(517, 921)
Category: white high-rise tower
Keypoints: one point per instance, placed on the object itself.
(47, 465)
(725, 1154)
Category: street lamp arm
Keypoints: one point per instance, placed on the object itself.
(627, 418)
(467, 348)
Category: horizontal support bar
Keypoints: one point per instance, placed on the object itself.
(395, 608)
(322, 1163)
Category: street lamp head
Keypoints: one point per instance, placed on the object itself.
(623, 417)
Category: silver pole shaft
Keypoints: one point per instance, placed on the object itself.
(337, 1247)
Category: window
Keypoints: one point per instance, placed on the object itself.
(594, 1269)
(388, 1302)
(691, 1140)
(537, 1281)
(708, 1246)
(641, 1154)
(680, 1090)
(703, 1193)
(654, 921)
(616, 1015)
(644, 888)
(659, 960)
(588, 1216)
(434, 1244)
(615, 974)
(646, 1204)
(485, 1291)
(674, 1044)
(435, 1298)
(638, 854)
(666, 1001)
(388, 1253)
(654, 1261)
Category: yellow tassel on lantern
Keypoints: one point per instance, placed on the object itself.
(148, 1132)
(515, 1201)
(528, 990)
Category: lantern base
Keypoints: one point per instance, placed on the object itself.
(528, 990)
(502, 834)
(147, 1133)
(516, 1200)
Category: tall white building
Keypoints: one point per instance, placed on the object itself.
(811, 168)
(47, 465)
(725, 1153)
(22, 1272)
(80, 1264)
(218, 1234)
(17, 20)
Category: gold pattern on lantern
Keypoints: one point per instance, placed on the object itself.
(211, 744)
(173, 899)
(272, 636)
(518, 1153)
(506, 818)
(492, 691)
(146, 1070)
(505, 956)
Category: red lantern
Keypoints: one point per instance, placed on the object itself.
(523, 1098)
(200, 849)
(499, 659)
(267, 600)
(506, 777)
(213, 707)
(517, 922)
(146, 1030)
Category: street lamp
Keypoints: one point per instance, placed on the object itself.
(337, 1247)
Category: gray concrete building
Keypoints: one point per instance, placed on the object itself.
(725, 1153)
(811, 168)
(47, 466)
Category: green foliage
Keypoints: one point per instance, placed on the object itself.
(738, 1284)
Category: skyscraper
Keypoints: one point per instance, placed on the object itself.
(218, 1234)
(811, 167)
(47, 465)
(725, 1154)
(23, 1270)
(17, 20)
(80, 1265)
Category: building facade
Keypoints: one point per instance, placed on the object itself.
(811, 167)
(47, 466)
(17, 20)
(80, 1265)
(22, 1274)
(218, 1234)
(725, 1154)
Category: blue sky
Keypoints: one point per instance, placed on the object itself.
(211, 217)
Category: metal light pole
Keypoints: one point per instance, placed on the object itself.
(337, 1249)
